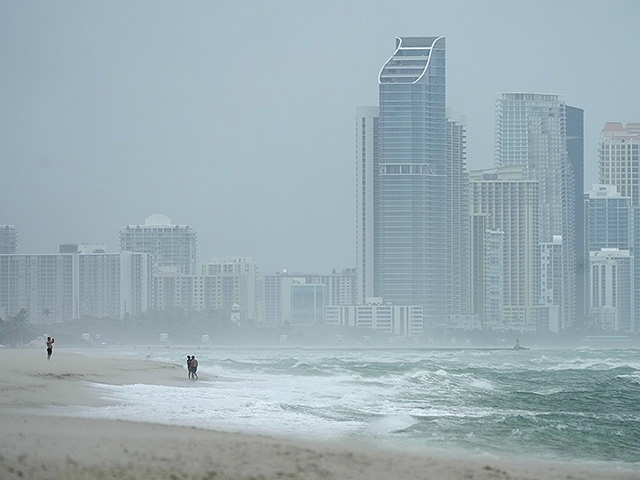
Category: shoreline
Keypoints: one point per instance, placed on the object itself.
(37, 444)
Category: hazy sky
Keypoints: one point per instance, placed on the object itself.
(238, 118)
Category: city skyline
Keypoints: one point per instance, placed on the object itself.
(110, 122)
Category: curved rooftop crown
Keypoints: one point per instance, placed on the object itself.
(410, 61)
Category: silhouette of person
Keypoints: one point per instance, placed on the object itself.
(50, 347)
(194, 367)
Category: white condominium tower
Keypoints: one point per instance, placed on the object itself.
(531, 132)
(510, 204)
(170, 245)
(366, 141)
(62, 286)
(457, 221)
(611, 298)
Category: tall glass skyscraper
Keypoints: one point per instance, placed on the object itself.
(409, 185)
(412, 210)
(531, 131)
(575, 153)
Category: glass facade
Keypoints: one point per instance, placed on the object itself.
(308, 304)
(531, 132)
(410, 179)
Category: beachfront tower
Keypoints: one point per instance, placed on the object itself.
(409, 183)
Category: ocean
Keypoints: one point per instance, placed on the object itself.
(578, 405)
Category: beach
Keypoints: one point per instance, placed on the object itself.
(37, 442)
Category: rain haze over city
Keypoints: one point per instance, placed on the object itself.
(239, 118)
(370, 239)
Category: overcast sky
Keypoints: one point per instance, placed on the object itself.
(238, 118)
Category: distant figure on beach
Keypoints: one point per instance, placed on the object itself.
(189, 365)
(50, 347)
(194, 367)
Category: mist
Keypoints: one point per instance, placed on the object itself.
(238, 119)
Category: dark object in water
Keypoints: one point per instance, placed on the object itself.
(518, 346)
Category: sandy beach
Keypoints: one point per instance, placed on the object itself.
(35, 443)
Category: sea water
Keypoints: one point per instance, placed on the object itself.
(570, 405)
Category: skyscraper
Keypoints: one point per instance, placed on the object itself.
(575, 153)
(366, 144)
(409, 202)
(457, 221)
(619, 165)
(531, 131)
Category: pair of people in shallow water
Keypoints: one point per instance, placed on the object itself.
(192, 366)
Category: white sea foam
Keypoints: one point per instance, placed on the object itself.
(390, 424)
(427, 398)
(482, 384)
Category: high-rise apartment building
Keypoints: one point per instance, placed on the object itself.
(366, 144)
(610, 224)
(217, 291)
(112, 285)
(531, 131)
(8, 239)
(245, 271)
(619, 166)
(170, 245)
(58, 287)
(410, 182)
(575, 154)
(42, 284)
(510, 204)
(487, 272)
(611, 283)
(551, 285)
(412, 209)
(457, 222)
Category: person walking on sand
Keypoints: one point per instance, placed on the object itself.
(50, 347)
(189, 365)
(194, 367)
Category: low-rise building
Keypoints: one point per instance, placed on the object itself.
(402, 320)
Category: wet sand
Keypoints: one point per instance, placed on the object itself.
(35, 443)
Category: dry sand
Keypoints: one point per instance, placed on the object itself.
(35, 444)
